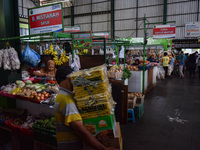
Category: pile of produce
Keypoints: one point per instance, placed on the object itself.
(92, 92)
(131, 95)
(132, 68)
(36, 92)
(48, 123)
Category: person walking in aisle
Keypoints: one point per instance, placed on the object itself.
(171, 65)
(181, 58)
(165, 61)
(192, 64)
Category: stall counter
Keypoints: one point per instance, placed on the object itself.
(135, 82)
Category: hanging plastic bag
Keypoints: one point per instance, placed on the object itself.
(6, 60)
(121, 53)
(1, 57)
(30, 57)
(14, 59)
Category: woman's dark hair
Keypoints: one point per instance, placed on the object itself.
(126, 51)
(165, 54)
(67, 47)
(62, 72)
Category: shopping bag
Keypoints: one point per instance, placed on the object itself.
(30, 57)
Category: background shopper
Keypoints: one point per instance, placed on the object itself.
(192, 64)
(165, 61)
(181, 58)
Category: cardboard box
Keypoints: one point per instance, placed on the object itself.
(115, 142)
(101, 127)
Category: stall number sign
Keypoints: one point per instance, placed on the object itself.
(82, 40)
(46, 19)
(164, 32)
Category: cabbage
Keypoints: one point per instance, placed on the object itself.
(28, 82)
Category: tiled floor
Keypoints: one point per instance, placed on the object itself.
(154, 131)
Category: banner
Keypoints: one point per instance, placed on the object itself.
(72, 29)
(164, 31)
(82, 40)
(192, 29)
(45, 19)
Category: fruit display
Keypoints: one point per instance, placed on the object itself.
(132, 68)
(29, 91)
(92, 92)
(131, 95)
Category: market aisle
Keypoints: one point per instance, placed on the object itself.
(170, 98)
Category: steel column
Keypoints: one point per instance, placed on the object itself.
(112, 19)
(136, 18)
(165, 11)
(72, 15)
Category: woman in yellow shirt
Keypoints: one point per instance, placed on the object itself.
(165, 61)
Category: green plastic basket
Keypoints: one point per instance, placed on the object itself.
(44, 135)
(139, 110)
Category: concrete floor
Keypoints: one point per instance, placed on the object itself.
(170, 98)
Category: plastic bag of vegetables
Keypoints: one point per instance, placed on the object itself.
(14, 59)
(30, 57)
(1, 57)
(6, 60)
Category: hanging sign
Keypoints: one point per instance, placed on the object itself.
(164, 31)
(46, 19)
(104, 34)
(72, 29)
(192, 29)
(82, 40)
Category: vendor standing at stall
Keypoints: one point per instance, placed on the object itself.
(70, 131)
(48, 71)
(128, 58)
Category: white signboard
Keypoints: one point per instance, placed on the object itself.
(192, 29)
(72, 29)
(45, 19)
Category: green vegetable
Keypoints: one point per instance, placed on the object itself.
(21, 85)
(28, 82)
(19, 81)
(126, 74)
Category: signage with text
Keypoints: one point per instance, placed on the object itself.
(192, 29)
(46, 19)
(164, 31)
(72, 29)
(82, 40)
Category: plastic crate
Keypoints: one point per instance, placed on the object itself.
(12, 127)
(44, 135)
(132, 102)
(2, 122)
(27, 132)
(139, 110)
(140, 100)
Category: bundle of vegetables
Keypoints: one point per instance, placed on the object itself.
(92, 92)
(127, 74)
(48, 123)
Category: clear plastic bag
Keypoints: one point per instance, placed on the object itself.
(1, 57)
(14, 59)
(6, 60)
(30, 57)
